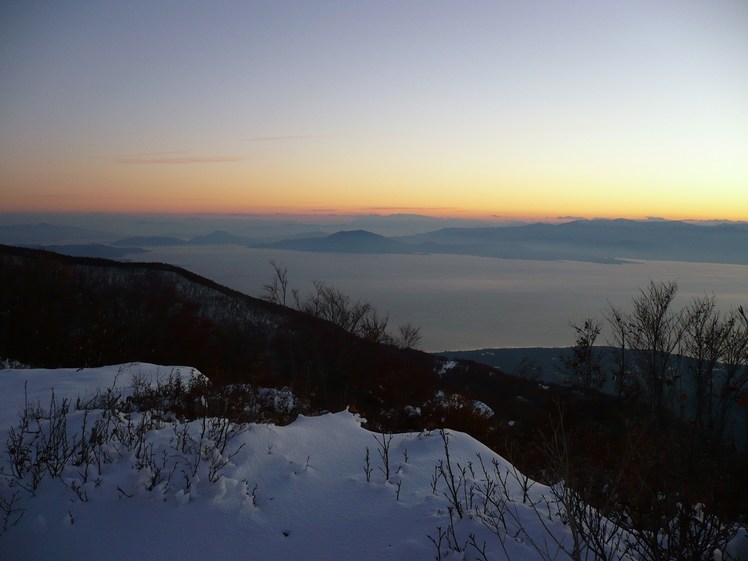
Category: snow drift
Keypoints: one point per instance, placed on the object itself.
(148, 485)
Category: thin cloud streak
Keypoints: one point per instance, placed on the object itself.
(281, 138)
(424, 208)
(186, 160)
(287, 137)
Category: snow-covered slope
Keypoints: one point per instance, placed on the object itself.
(207, 490)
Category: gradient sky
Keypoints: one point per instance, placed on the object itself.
(524, 108)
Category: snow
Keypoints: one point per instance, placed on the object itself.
(292, 492)
(446, 367)
(482, 409)
(73, 383)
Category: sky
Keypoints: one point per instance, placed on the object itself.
(477, 109)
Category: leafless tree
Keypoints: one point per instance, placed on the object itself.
(702, 342)
(584, 362)
(329, 303)
(409, 336)
(619, 341)
(734, 374)
(373, 327)
(653, 331)
(276, 291)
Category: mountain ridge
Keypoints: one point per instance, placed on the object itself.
(600, 241)
(343, 241)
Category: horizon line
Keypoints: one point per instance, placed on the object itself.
(339, 213)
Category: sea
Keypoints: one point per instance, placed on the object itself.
(464, 302)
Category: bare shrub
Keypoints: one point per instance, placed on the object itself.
(384, 441)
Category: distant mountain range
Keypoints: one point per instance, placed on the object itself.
(597, 241)
(43, 232)
(149, 241)
(94, 250)
(356, 241)
(219, 237)
(600, 241)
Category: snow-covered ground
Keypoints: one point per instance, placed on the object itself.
(305, 491)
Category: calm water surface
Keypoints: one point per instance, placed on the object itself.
(464, 302)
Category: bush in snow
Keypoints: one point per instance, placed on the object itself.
(173, 433)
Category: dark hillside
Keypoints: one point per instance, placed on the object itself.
(64, 311)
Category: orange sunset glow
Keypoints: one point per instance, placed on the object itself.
(506, 110)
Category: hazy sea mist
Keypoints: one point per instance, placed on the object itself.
(465, 302)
